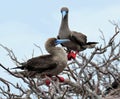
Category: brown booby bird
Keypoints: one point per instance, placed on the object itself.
(78, 41)
(51, 64)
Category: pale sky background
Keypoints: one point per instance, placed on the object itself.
(25, 22)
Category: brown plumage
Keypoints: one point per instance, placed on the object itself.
(78, 41)
(51, 64)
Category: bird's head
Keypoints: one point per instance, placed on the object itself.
(52, 42)
(64, 11)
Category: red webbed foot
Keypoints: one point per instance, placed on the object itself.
(47, 81)
(61, 79)
(72, 55)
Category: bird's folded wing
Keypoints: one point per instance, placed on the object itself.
(41, 63)
(78, 38)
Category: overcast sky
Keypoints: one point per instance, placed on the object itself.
(25, 22)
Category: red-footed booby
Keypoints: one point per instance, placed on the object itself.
(51, 64)
(78, 41)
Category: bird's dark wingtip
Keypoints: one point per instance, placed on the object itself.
(58, 37)
(92, 43)
(20, 67)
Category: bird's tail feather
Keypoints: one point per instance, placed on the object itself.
(91, 44)
(19, 67)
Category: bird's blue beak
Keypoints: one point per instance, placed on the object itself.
(64, 13)
(59, 41)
